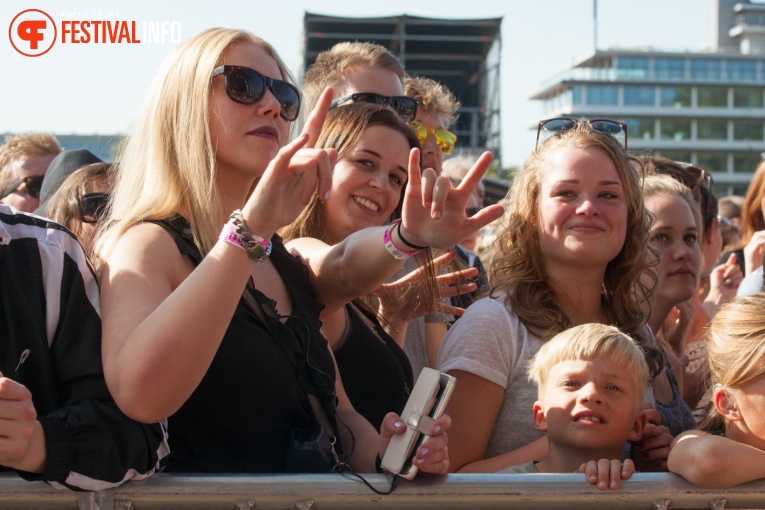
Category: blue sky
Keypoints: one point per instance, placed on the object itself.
(87, 89)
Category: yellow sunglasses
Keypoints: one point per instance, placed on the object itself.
(445, 139)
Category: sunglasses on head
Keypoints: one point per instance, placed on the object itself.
(699, 176)
(33, 185)
(93, 206)
(247, 86)
(552, 127)
(405, 107)
(445, 139)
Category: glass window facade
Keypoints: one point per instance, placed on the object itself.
(747, 97)
(576, 94)
(745, 162)
(712, 129)
(602, 95)
(632, 67)
(712, 161)
(669, 67)
(675, 129)
(747, 130)
(677, 155)
(678, 97)
(639, 96)
(706, 69)
(715, 97)
(639, 129)
(744, 70)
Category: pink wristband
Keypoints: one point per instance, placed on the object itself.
(390, 245)
(231, 236)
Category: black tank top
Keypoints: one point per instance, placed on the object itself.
(239, 418)
(376, 372)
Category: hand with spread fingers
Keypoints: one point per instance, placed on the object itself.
(297, 172)
(403, 299)
(434, 210)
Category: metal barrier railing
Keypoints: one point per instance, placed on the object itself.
(321, 492)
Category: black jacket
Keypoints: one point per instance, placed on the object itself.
(50, 341)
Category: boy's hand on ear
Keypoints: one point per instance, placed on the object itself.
(607, 474)
(651, 451)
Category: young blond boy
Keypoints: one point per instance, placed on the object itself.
(591, 380)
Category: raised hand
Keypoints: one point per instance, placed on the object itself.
(753, 251)
(723, 284)
(292, 177)
(434, 211)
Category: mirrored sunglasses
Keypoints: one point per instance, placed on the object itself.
(247, 86)
(93, 207)
(405, 107)
(445, 139)
(557, 126)
(32, 185)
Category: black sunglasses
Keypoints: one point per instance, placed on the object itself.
(93, 206)
(560, 125)
(33, 184)
(405, 107)
(247, 86)
(472, 211)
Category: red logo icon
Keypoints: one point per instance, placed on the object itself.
(32, 32)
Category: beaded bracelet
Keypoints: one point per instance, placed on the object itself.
(235, 232)
(391, 247)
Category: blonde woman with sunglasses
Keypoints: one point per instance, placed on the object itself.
(180, 339)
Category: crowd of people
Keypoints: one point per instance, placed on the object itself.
(255, 283)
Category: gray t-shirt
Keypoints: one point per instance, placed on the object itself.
(529, 467)
(491, 342)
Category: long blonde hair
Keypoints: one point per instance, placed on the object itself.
(169, 161)
(735, 349)
(518, 265)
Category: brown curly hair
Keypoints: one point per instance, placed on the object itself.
(518, 267)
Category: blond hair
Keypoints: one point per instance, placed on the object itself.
(23, 144)
(332, 65)
(585, 342)
(736, 350)
(518, 270)
(169, 161)
(433, 97)
(664, 185)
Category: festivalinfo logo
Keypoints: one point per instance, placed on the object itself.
(34, 32)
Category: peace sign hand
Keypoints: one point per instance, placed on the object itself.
(434, 212)
(292, 177)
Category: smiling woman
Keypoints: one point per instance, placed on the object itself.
(571, 249)
(368, 184)
(220, 334)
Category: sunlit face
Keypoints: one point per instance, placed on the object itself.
(582, 213)
(589, 403)
(246, 137)
(432, 157)
(367, 183)
(675, 235)
(750, 402)
(26, 166)
(369, 79)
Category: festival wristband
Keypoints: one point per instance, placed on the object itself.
(391, 247)
(235, 232)
(413, 246)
